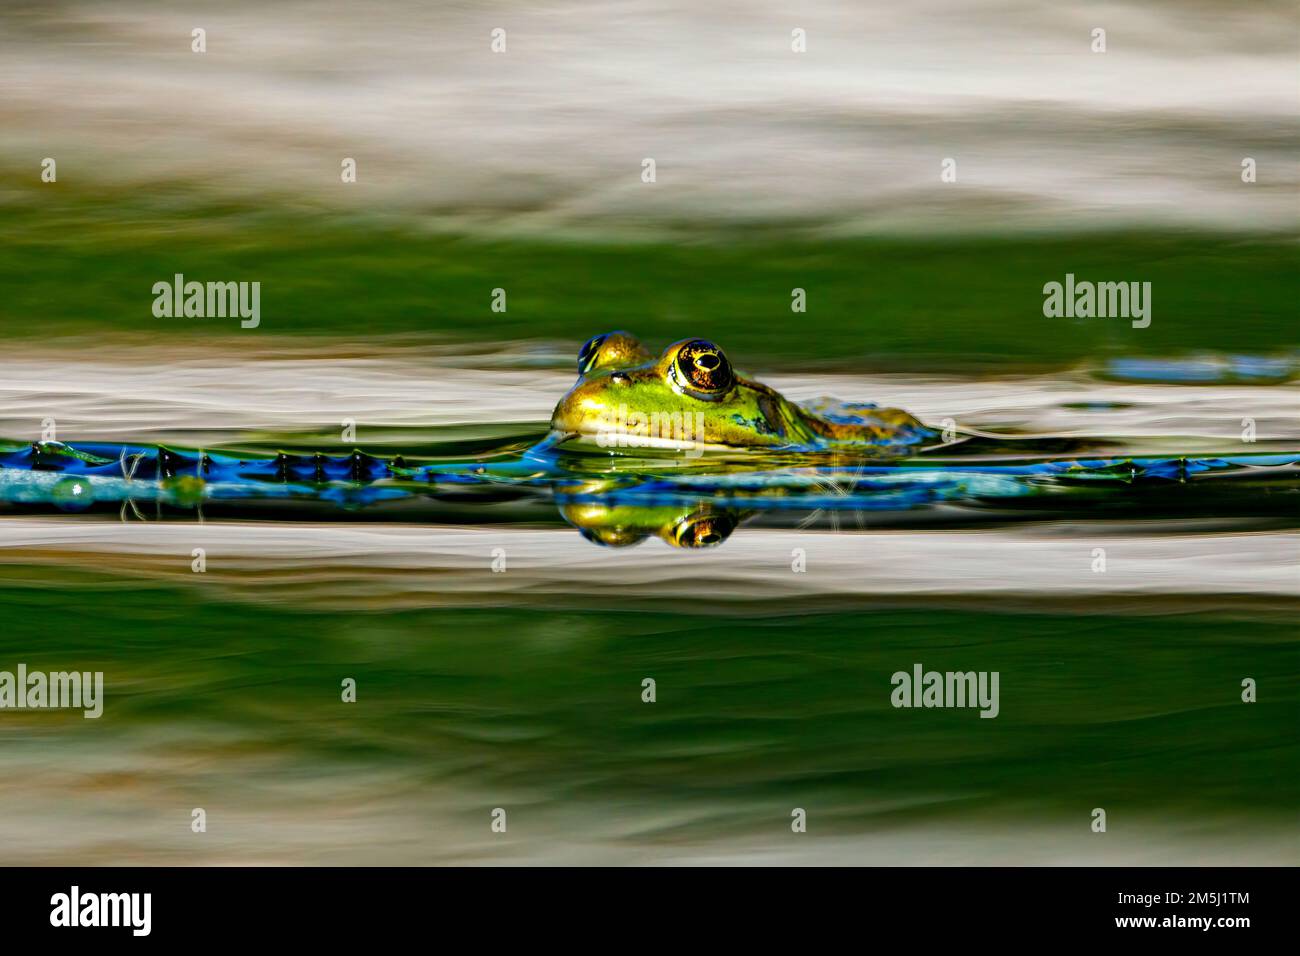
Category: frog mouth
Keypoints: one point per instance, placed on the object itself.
(620, 428)
(634, 439)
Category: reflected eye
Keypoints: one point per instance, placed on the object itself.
(701, 365)
(704, 531)
(587, 354)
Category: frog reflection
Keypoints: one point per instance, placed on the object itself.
(697, 525)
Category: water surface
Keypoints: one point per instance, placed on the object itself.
(522, 688)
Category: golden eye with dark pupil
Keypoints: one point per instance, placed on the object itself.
(703, 366)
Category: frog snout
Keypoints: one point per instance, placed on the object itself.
(582, 408)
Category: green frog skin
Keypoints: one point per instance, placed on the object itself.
(691, 397)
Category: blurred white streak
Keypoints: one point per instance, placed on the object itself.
(393, 566)
(549, 136)
(203, 393)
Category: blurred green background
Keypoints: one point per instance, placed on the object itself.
(80, 263)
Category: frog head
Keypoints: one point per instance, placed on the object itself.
(692, 398)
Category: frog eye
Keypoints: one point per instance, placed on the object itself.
(616, 349)
(589, 352)
(613, 537)
(702, 366)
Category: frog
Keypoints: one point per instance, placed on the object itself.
(688, 399)
(692, 398)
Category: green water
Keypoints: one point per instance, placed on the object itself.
(926, 304)
(541, 713)
(531, 700)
